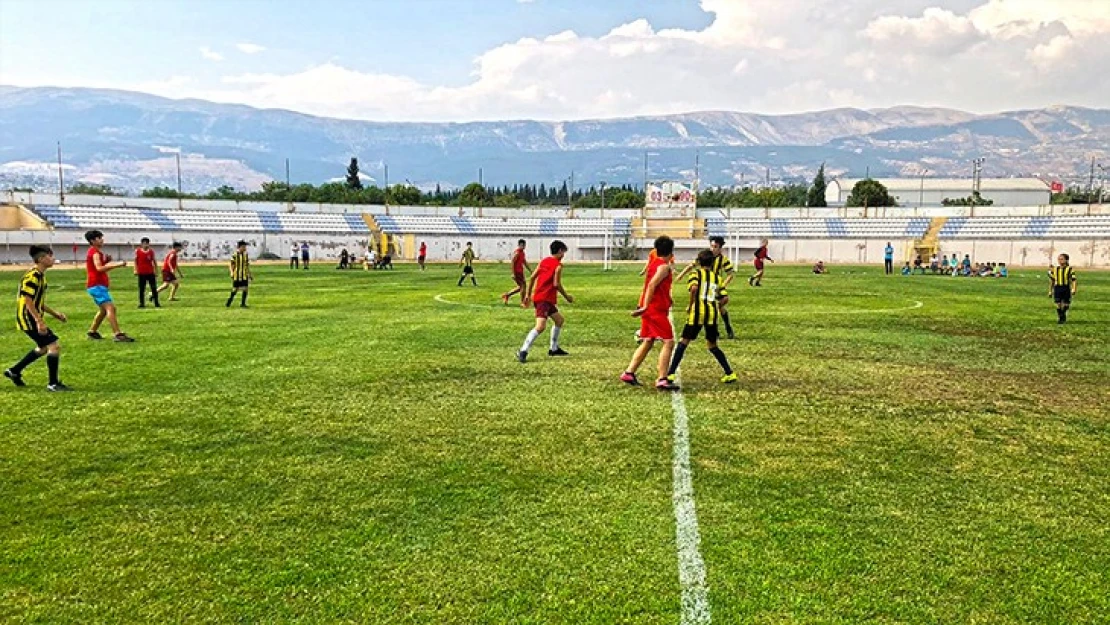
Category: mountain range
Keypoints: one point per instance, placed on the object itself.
(132, 140)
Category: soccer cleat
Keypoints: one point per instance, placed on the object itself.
(58, 388)
(558, 351)
(93, 336)
(630, 379)
(729, 378)
(731, 335)
(14, 377)
(522, 356)
(505, 300)
(123, 338)
(751, 282)
(664, 384)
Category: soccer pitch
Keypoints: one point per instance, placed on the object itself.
(363, 447)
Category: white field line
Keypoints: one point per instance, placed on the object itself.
(691, 566)
(783, 313)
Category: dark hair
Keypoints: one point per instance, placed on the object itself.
(1066, 257)
(38, 251)
(718, 240)
(177, 246)
(557, 246)
(664, 246)
(93, 234)
(706, 258)
(241, 244)
(468, 243)
(521, 242)
(144, 240)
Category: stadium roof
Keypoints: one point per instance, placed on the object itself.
(946, 184)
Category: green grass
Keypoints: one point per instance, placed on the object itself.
(350, 449)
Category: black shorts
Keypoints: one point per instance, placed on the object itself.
(1061, 294)
(42, 340)
(467, 271)
(240, 284)
(691, 332)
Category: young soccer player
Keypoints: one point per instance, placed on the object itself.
(30, 308)
(654, 312)
(240, 270)
(97, 266)
(295, 257)
(304, 254)
(723, 266)
(171, 273)
(423, 255)
(701, 313)
(544, 288)
(467, 262)
(520, 265)
(1063, 285)
(760, 256)
(144, 268)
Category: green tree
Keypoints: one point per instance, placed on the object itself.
(473, 194)
(353, 181)
(405, 195)
(224, 192)
(870, 192)
(82, 188)
(164, 193)
(817, 191)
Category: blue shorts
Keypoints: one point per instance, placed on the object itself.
(100, 295)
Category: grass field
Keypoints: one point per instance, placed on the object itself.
(353, 449)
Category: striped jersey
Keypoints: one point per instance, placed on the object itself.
(704, 284)
(468, 257)
(33, 286)
(240, 266)
(1062, 276)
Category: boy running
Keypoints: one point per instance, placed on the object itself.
(544, 288)
(723, 267)
(701, 313)
(1063, 286)
(520, 265)
(97, 266)
(30, 306)
(467, 262)
(240, 270)
(170, 272)
(760, 256)
(654, 312)
(144, 268)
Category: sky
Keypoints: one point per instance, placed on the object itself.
(462, 60)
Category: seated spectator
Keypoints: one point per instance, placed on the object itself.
(934, 264)
(386, 262)
(1001, 273)
(819, 268)
(906, 269)
(344, 259)
(371, 259)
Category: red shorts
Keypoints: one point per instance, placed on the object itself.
(759, 265)
(168, 276)
(519, 279)
(545, 310)
(655, 324)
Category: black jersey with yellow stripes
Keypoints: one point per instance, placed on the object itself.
(704, 283)
(31, 287)
(1062, 276)
(240, 266)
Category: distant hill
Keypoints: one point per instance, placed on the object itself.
(127, 140)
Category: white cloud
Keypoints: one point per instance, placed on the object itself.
(210, 54)
(250, 48)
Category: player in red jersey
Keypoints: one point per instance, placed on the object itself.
(423, 255)
(544, 288)
(97, 266)
(654, 312)
(171, 273)
(760, 255)
(144, 269)
(520, 265)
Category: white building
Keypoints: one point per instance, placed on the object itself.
(933, 191)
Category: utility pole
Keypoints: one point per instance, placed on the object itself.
(287, 174)
(570, 192)
(386, 166)
(977, 175)
(480, 182)
(61, 181)
(179, 197)
(921, 196)
(603, 198)
(645, 174)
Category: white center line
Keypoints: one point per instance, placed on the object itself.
(691, 567)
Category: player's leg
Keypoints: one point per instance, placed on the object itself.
(723, 305)
(97, 320)
(556, 332)
(665, 355)
(153, 291)
(638, 356)
(231, 297)
(243, 301)
(113, 318)
(533, 334)
(173, 291)
(15, 372)
(53, 362)
(711, 337)
(142, 291)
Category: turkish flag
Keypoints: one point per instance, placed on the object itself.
(1057, 186)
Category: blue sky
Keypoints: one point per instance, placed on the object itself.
(567, 59)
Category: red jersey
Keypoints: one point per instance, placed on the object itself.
(169, 263)
(761, 254)
(94, 277)
(144, 261)
(661, 301)
(518, 261)
(423, 249)
(545, 281)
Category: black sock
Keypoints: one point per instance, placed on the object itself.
(31, 356)
(243, 302)
(52, 361)
(679, 352)
(473, 281)
(154, 294)
(230, 297)
(721, 359)
(461, 279)
(728, 325)
(142, 291)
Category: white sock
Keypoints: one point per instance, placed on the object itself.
(555, 332)
(531, 338)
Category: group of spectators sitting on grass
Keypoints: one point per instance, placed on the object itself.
(954, 266)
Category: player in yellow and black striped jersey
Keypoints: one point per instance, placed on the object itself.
(30, 308)
(701, 313)
(1063, 286)
(722, 266)
(240, 270)
(467, 262)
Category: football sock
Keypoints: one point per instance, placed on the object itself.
(728, 324)
(230, 297)
(555, 332)
(531, 338)
(31, 356)
(461, 278)
(52, 361)
(473, 280)
(721, 359)
(243, 302)
(679, 352)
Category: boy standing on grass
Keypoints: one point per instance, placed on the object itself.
(240, 270)
(467, 262)
(544, 288)
(760, 256)
(1063, 286)
(701, 313)
(520, 265)
(30, 306)
(654, 312)
(170, 272)
(723, 267)
(97, 266)
(144, 268)
(423, 256)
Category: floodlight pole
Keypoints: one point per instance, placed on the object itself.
(61, 181)
(921, 195)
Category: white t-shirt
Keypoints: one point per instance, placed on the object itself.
(296, 249)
